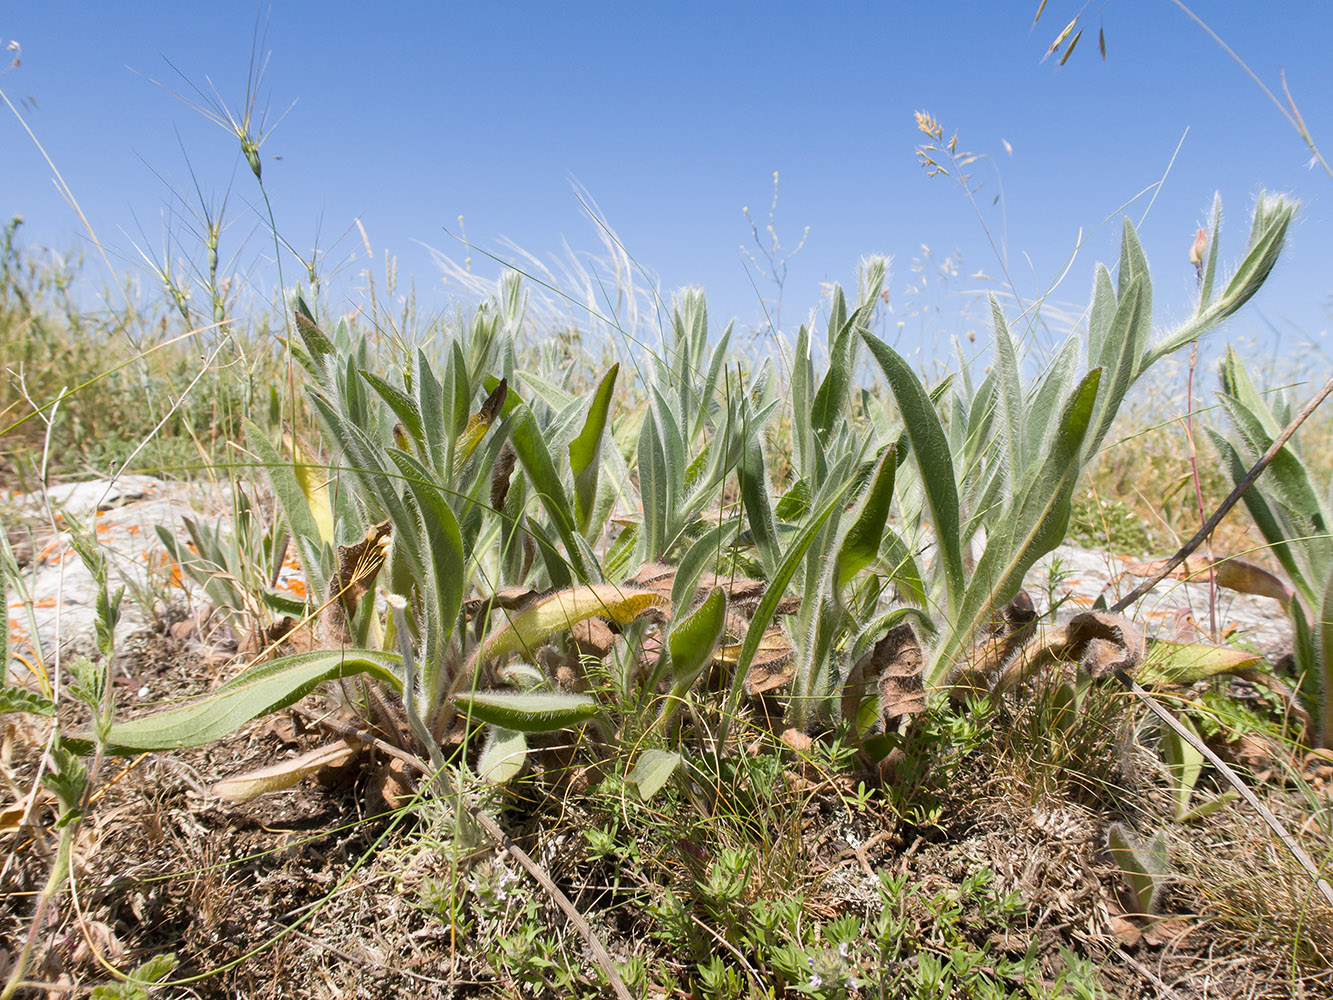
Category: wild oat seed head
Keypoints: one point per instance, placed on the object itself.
(925, 122)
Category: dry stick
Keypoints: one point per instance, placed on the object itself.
(1225, 508)
(575, 917)
(1147, 973)
(1274, 824)
(1298, 852)
(493, 829)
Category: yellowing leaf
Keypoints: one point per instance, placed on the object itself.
(477, 425)
(558, 612)
(314, 482)
(1186, 662)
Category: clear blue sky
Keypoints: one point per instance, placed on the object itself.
(673, 117)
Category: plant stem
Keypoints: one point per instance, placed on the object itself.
(55, 881)
(1198, 488)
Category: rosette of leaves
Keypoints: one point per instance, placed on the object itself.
(997, 464)
(421, 499)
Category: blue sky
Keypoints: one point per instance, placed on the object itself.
(673, 117)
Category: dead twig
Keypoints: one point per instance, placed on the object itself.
(1290, 842)
(1166, 991)
(1274, 824)
(1224, 508)
(493, 830)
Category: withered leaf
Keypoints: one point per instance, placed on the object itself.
(898, 661)
(745, 594)
(358, 565)
(505, 599)
(592, 637)
(771, 667)
(655, 576)
(797, 740)
(1247, 578)
(1102, 643)
(1105, 643)
(1008, 630)
(284, 774)
(1234, 574)
(500, 475)
(491, 408)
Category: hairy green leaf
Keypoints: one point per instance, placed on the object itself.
(861, 544)
(585, 451)
(528, 711)
(930, 449)
(264, 688)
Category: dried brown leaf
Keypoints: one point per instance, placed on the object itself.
(358, 565)
(655, 576)
(592, 637)
(506, 599)
(1102, 643)
(490, 409)
(500, 475)
(898, 661)
(244, 787)
(797, 740)
(1247, 578)
(1010, 629)
(772, 664)
(1234, 574)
